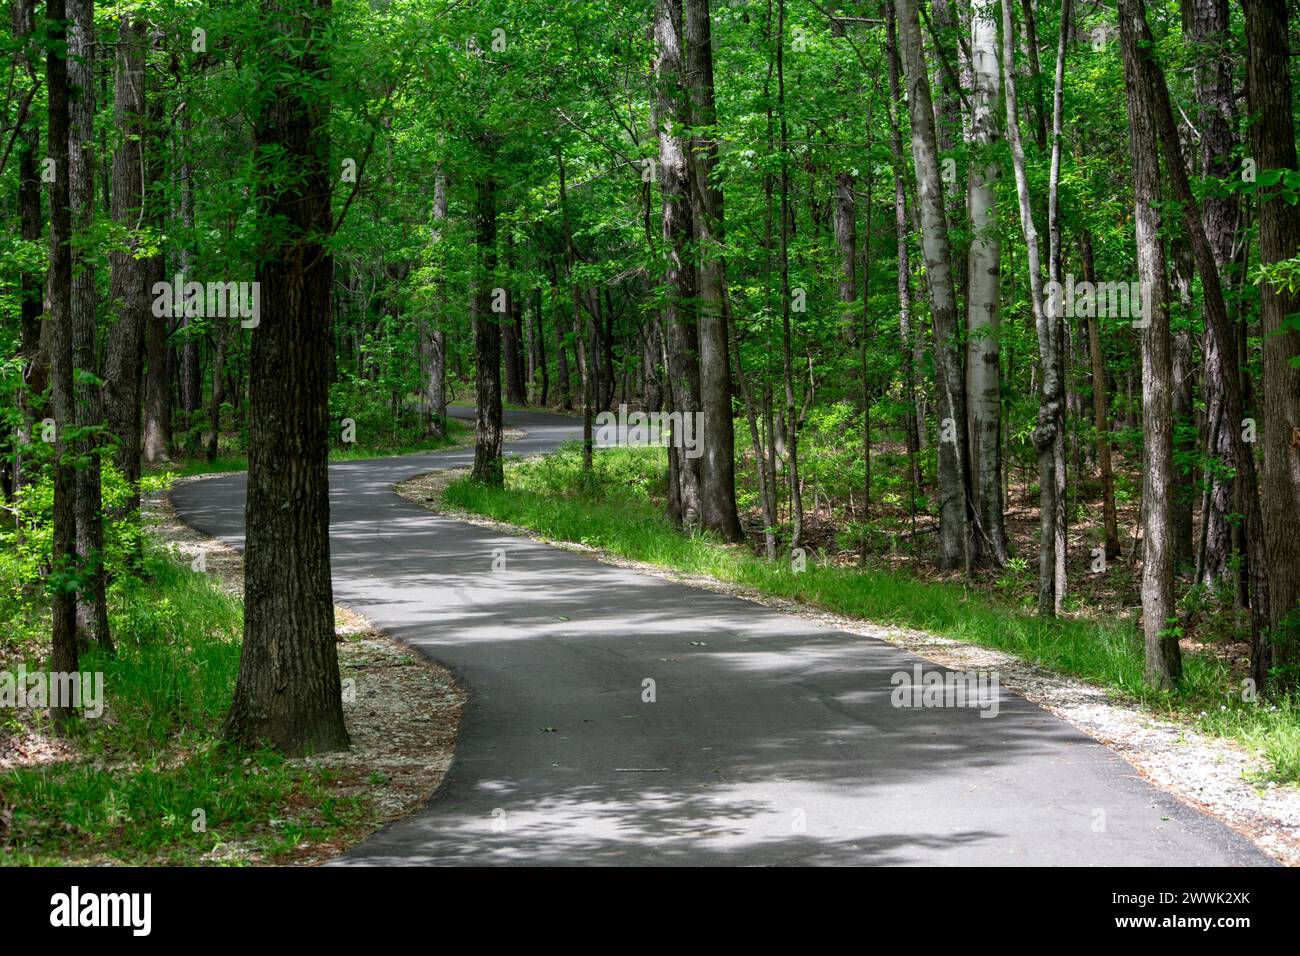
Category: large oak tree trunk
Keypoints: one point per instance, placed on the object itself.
(288, 694)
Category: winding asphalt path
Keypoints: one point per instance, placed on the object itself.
(771, 739)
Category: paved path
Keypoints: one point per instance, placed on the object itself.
(772, 739)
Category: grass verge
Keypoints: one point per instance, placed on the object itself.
(150, 781)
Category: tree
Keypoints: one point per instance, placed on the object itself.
(1155, 90)
(128, 289)
(717, 473)
(1046, 312)
(58, 336)
(983, 348)
(1272, 132)
(487, 327)
(92, 609)
(1163, 657)
(672, 122)
(288, 694)
(954, 539)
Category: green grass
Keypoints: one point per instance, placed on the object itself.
(156, 758)
(617, 512)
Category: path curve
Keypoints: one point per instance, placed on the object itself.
(771, 739)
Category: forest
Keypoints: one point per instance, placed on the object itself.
(977, 318)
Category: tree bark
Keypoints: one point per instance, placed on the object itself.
(1163, 657)
(92, 606)
(983, 343)
(1206, 28)
(157, 427)
(911, 340)
(787, 339)
(1156, 93)
(954, 538)
(488, 468)
(191, 373)
(434, 346)
(63, 645)
(1048, 430)
(672, 122)
(288, 694)
(1268, 85)
(124, 351)
(1100, 407)
(27, 141)
(511, 352)
(717, 472)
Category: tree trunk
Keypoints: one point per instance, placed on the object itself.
(954, 539)
(1163, 657)
(1054, 265)
(124, 352)
(1206, 27)
(288, 694)
(1156, 93)
(672, 122)
(1184, 414)
(563, 379)
(1268, 84)
(1048, 429)
(157, 434)
(511, 350)
(215, 400)
(488, 468)
(717, 472)
(435, 337)
(63, 649)
(911, 341)
(27, 138)
(983, 344)
(1100, 406)
(191, 374)
(92, 607)
(787, 339)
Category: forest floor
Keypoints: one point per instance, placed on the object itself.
(402, 711)
(88, 798)
(122, 789)
(1216, 774)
